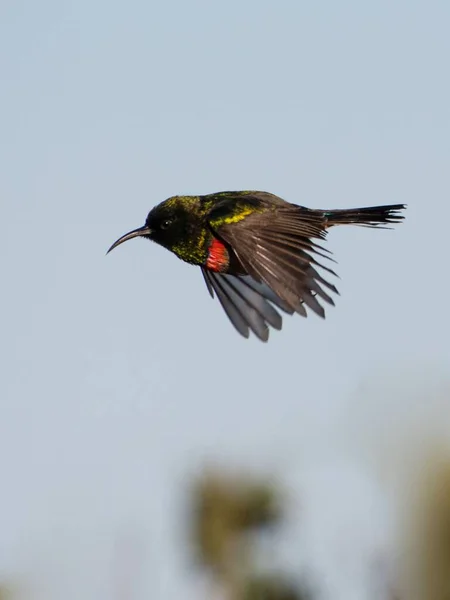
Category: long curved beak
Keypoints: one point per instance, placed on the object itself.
(132, 234)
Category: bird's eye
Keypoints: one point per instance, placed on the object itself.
(167, 223)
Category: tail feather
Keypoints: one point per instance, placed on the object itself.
(372, 216)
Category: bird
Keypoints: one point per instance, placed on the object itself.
(259, 254)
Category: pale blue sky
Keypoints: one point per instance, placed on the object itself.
(107, 108)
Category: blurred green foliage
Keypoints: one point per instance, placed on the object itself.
(427, 544)
(226, 507)
(272, 587)
(226, 510)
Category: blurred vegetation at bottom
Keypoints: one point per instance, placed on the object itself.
(425, 573)
(227, 512)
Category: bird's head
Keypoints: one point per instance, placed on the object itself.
(169, 224)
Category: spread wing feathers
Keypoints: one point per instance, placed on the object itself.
(247, 303)
(279, 253)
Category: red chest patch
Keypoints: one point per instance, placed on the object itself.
(218, 257)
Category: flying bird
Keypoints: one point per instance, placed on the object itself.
(257, 252)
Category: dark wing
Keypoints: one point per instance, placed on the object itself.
(275, 247)
(247, 303)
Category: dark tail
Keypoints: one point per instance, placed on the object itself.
(372, 216)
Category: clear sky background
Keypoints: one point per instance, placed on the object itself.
(120, 375)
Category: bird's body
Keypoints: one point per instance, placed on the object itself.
(256, 250)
